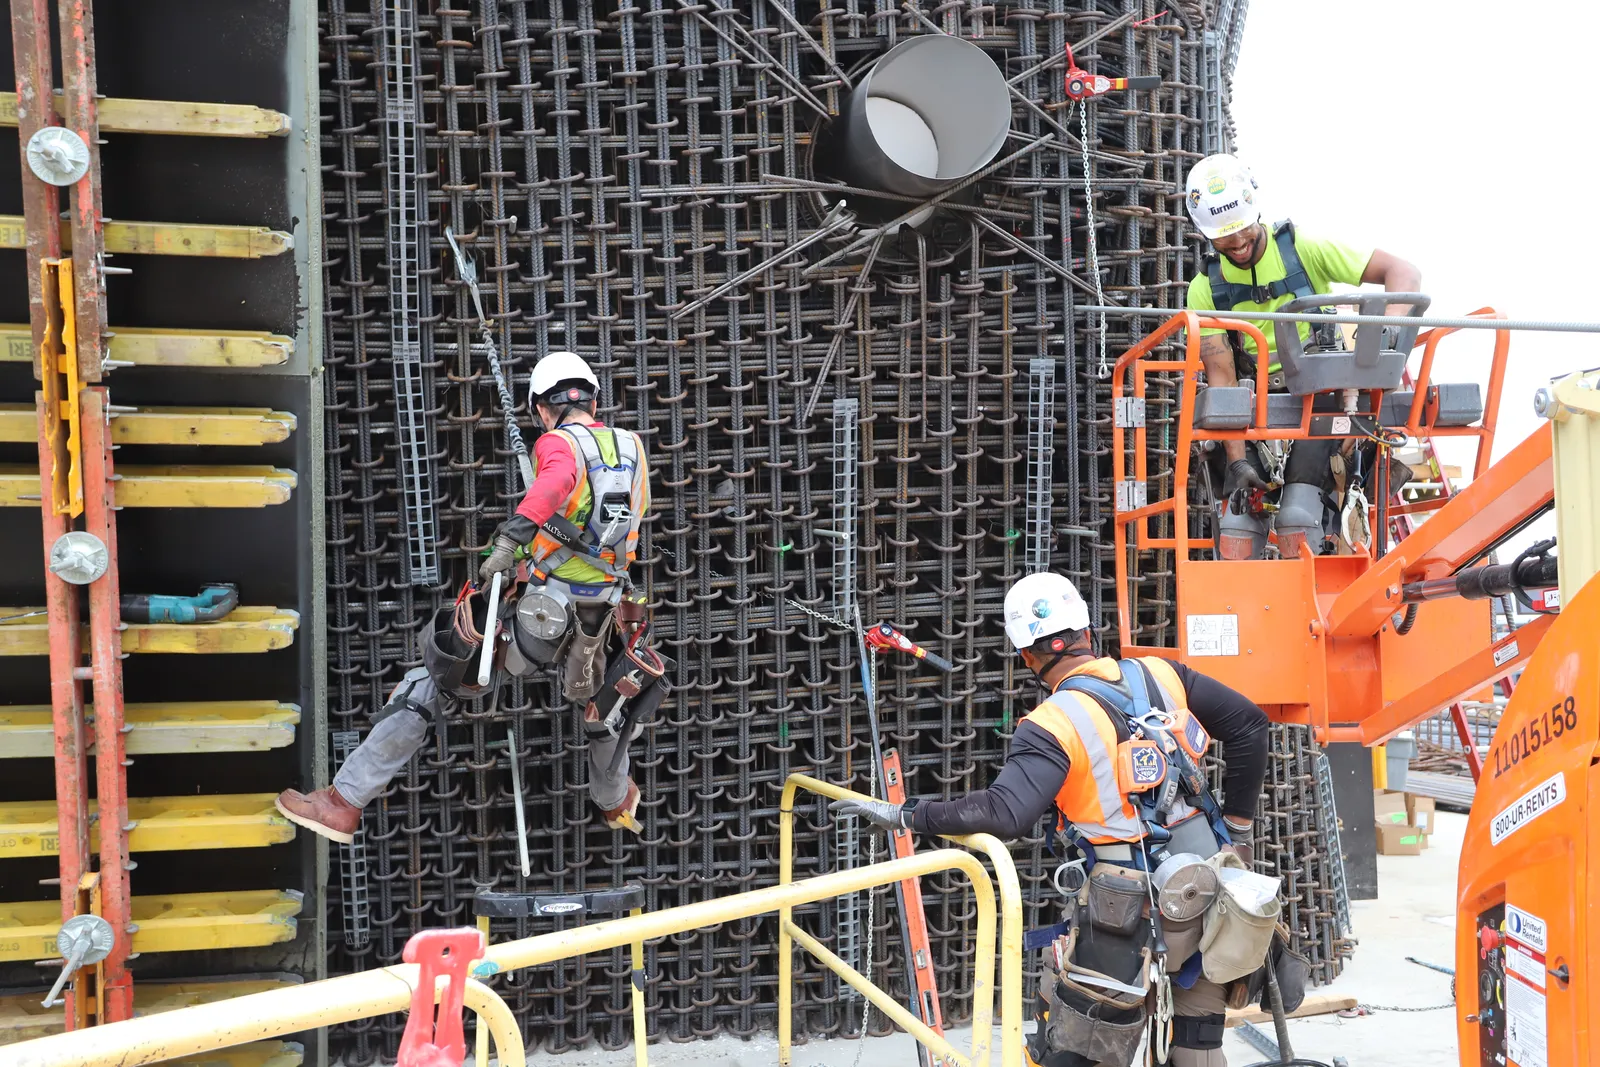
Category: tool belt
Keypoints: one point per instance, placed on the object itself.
(1292, 968)
(1097, 975)
(632, 690)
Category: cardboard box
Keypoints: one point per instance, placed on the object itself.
(1395, 839)
(1390, 808)
(1420, 812)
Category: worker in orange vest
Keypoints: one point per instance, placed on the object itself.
(578, 529)
(1114, 753)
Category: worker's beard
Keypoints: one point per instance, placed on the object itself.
(1252, 254)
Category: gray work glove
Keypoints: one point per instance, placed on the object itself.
(1240, 481)
(877, 812)
(500, 561)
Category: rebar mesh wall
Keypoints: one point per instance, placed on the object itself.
(605, 165)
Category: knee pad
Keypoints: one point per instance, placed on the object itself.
(1299, 519)
(1198, 1031)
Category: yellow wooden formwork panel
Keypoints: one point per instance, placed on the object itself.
(168, 239)
(168, 426)
(160, 824)
(23, 1018)
(246, 629)
(155, 347)
(26, 730)
(255, 1054)
(178, 118)
(181, 922)
(169, 486)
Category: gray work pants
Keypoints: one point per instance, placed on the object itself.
(397, 736)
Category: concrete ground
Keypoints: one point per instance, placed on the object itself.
(1414, 915)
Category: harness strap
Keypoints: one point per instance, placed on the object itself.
(1226, 295)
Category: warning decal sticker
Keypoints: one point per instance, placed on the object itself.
(1529, 806)
(1213, 635)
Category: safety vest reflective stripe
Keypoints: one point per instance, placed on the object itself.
(1093, 802)
(1089, 798)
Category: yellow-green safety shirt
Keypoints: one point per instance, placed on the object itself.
(1325, 262)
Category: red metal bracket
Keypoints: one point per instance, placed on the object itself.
(430, 1040)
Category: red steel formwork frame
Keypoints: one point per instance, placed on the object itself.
(84, 305)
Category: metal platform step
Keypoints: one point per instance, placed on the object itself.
(23, 1019)
(160, 824)
(247, 629)
(168, 426)
(178, 118)
(147, 347)
(158, 729)
(168, 239)
(183, 922)
(169, 487)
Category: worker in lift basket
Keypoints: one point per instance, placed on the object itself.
(1114, 751)
(1254, 269)
(578, 528)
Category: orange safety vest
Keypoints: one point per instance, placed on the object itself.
(1101, 770)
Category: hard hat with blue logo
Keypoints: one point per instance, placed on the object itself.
(1041, 605)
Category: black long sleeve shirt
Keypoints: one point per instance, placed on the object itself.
(1036, 767)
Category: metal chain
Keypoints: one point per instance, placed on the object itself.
(830, 620)
(1103, 370)
(1395, 1007)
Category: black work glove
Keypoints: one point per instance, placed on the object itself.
(877, 812)
(508, 537)
(1241, 480)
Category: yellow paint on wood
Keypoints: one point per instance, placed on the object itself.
(146, 347)
(23, 1018)
(183, 922)
(168, 487)
(160, 824)
(246, 629)
(169, 426)
(179, 118)
(164, 728)
(168, 239)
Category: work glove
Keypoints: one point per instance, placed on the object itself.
(877, 812)
(1241, 480)
(508, 537)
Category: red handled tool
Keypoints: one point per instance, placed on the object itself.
(1081, 85)
(438, 1040)
(885, 636)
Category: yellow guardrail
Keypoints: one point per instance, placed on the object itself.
(984, 956)
(279, 1012)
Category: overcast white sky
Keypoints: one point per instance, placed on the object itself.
(1408, 125)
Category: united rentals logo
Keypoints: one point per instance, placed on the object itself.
(1229, 206)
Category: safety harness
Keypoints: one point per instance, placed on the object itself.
(1226, 295)
(612, 520)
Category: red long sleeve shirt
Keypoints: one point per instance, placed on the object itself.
(555, 477)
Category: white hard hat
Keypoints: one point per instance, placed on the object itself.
(1041, 605)
(561, 368)
(1221, 196)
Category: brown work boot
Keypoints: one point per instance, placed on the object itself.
(324, 812)
(621, 817)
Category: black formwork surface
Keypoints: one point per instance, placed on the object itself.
(169, 50)
(604, 165)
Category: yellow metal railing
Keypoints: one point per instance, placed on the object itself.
(279, 1012)
(1010, 955)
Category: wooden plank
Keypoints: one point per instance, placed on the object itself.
(247, 629)
(169, 486)
(181, 922)
(163, 728)
(178, 118)
(159, 347)
(170, 239)
(22, 1018)
(1314, 1004)
(160, 824)
(168, 426)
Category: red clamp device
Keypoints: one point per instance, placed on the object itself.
(441, 1043)
(885, 636)
(1081, 85)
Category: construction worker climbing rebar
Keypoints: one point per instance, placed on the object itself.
(1253, 268)
(577, 527)
(1114, 752)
